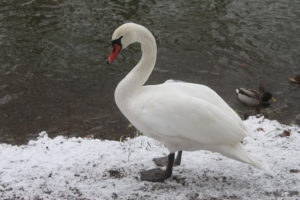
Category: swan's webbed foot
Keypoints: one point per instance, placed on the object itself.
(157, 174)
(163, 161)
(153, 175)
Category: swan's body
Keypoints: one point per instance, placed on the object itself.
(183, 116)
(175, 113)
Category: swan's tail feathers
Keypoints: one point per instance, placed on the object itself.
(237, 91)
(237, 152)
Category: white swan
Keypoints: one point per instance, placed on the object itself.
(183, 116)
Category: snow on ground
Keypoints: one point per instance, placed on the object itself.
(82, 168)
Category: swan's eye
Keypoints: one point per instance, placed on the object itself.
(117, 42)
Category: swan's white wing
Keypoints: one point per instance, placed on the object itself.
(199, 91)
(173, 114)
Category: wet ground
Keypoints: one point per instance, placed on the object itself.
(53, 74)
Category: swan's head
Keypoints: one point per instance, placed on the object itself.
(123, 36)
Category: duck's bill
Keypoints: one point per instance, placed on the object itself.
(273, 99)
(115, 51)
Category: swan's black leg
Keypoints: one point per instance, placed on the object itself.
(163, 161)
(178, 158)
(157, 174)
(169, 169)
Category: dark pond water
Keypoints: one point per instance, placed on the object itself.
(53, 52)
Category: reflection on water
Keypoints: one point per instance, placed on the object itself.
(53, 55)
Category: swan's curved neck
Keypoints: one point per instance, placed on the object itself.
(137, 77)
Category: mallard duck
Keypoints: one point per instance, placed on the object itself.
(254, 98)
(295, 79)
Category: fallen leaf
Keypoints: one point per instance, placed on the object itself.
(286, 133)
(90, 136)
(260, 129)
(54, 129)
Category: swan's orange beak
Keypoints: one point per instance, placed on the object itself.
(116, 49)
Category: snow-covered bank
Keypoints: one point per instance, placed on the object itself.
(82, 168)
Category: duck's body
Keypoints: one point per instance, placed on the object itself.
(184, 116)
(253, 98)
(248, 97)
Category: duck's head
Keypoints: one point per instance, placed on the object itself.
(266, 97)
(122, 37)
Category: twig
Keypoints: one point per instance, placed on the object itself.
(69, 118)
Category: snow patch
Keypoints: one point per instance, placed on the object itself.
(84, 168)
